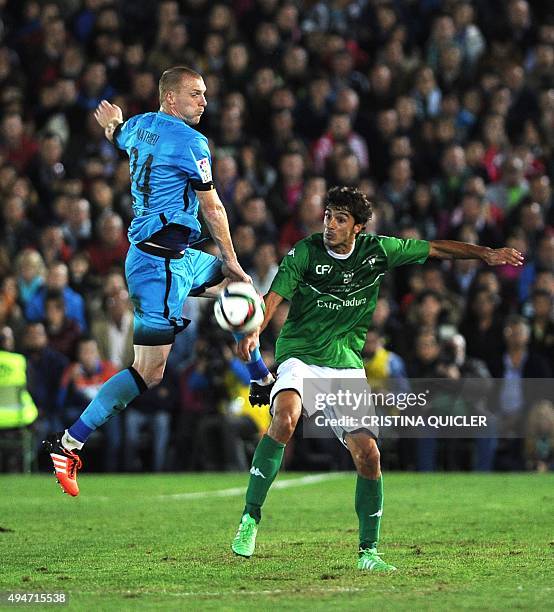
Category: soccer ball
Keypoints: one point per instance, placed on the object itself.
(239, 308)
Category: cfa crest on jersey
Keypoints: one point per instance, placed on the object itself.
(204, 169)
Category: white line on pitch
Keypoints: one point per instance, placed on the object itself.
(303, 590)
(280, 484)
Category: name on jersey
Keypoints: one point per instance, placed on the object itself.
(342, 304)
(148, 137)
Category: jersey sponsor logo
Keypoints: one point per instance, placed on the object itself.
(323, 269)
(347, 277)
(204, 169)
(340, 305)
(291, 252)
(256, 472)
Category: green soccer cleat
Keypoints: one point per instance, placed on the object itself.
(245, 540)
(370, 560)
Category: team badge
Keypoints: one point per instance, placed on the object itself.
(347, 277)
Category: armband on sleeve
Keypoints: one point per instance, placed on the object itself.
(115, 134)
(200, 186)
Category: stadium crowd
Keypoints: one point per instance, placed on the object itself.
(441, 111)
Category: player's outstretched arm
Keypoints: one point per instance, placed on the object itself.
(452, 249)
(215, 216)
(251, 341)
(109, 116)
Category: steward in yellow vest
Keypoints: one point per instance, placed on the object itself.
(17, 408)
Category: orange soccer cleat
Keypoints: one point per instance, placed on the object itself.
(66, 463)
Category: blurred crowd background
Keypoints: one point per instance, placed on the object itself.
(441, 111)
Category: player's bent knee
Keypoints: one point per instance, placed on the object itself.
(284, 421)
(367, 459)
(154, 379)
(152, 376)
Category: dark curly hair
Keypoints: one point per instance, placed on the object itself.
(351, 200)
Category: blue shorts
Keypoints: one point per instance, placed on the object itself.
(159, 286)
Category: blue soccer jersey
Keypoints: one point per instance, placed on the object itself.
(169, 161)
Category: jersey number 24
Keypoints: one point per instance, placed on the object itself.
(143, 175)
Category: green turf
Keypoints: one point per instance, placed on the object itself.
(460, 541)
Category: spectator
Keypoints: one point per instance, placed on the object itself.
(482, 327)
(18, 232)
(16, 146)
(539, 438)
(339, 131)
(287, 191)
(315, 108)
(474, 212)
(77, 228)
(510, 190)
(11, 315)
(173, 50)
(244, 240)
(113, 329)
(308, 220)
(265, 267)
(52, 245)
(94, 87)
(468, 35)
(514, 366)
(542, 324)
(112, 245)
(347, 170)
(544, 260)
(448, 189)
(45, 367)
(79, 385)
(57, 280)
(384, 369)
(254, 213)
(427, 94)
(30, 269)
(47, 169)
(152, 410)
(63, 333)
(399, 189)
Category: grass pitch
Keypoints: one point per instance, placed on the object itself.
(460, 541)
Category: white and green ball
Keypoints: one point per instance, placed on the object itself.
(239, 308)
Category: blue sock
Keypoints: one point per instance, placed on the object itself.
(114, 395)
(256, 366)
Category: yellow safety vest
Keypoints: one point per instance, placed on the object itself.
(239, 392)
(17, 408)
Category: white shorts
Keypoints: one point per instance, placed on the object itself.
(291, 375)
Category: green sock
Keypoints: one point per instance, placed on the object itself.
(369, 508)
(265, 466)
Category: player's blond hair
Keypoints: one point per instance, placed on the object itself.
(171, 79)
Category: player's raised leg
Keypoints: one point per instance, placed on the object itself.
(113, 397)
(369, 499)
(261, 379)
(268, 456)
